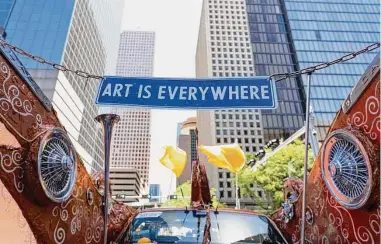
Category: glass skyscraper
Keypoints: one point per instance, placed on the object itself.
(154, 191)
(273, 53)
(323, 30)
(79, 34)
(40, 27)
(6, 7)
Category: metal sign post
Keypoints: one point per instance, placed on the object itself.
(237, 200)
(107, 121)
(306, 158)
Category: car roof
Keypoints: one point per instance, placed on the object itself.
(230, 210)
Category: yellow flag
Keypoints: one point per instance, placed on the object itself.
(234, 155)
(174, 159)
(214, 156)
(230, 157)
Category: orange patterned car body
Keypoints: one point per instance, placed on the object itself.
(328, 221)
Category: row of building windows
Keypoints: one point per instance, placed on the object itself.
(232, 68)
(325, 7)
(226, 132)
(362, 2)
(240, 140)
(247, 148)
(226, 2)
(337, 17)
(236, 124)
(316, 56)
(237, 56)
(223, 16)
(232, 62)
(236, 116)
(232, 7)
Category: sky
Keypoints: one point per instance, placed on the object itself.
(176, 23)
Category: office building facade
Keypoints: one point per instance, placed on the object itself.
(188, 143)
(131, 142)
(70, 33)
(273, 53)
(224, 50)
(126, 184)
(326, 30)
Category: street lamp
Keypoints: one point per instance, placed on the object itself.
(273, 143)
(260, 154)
(251, 162)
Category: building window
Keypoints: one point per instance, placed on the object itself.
(318, 35)
(229, 194)
(228, 184)
(220, 175)
(221, 194)
(228, 175)
(221, 184)
(260, 194)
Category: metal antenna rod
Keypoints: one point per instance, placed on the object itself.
(306, 157)
(107, 121)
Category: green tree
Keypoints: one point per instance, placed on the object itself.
(270, 176)
(185, 201)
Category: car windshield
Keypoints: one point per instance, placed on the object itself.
(179, 226)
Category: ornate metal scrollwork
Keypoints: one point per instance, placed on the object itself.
(90, 196)
(287, 212)
(57, 165)
(309, 216)
(346, 169)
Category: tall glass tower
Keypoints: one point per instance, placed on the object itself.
(273, 53)
(323, 30)
(81, 34)
(6, 7)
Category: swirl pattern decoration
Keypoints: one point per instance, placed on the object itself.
(14, 102)
(12, 164)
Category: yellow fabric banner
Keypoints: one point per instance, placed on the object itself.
(174, 159)
(230, 156)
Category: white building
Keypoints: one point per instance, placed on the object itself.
(81, 35)
(224, 50)
(131, 142)
(126, 184)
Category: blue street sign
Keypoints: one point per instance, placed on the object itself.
(214, 93)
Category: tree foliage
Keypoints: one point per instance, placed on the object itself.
(270, 176)
(185, 201)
